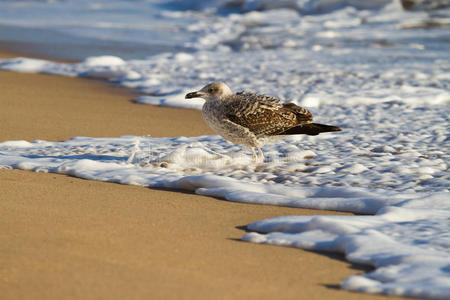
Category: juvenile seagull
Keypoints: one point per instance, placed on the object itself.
(253, 120)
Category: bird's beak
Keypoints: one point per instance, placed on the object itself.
(193, 95)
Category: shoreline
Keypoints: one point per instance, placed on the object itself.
(107, 104)
(70, 238)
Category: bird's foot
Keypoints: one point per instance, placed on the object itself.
(260, 155)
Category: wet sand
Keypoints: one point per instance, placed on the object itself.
(69, 238)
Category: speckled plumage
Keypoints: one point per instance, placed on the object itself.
(251, 119)
(265, 115)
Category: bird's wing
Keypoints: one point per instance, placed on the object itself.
(302, 114)
(265, 115)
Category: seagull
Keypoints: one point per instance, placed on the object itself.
(253, 120)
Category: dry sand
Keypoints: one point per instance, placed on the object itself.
(67, 238)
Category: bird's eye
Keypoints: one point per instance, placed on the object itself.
(211, 90)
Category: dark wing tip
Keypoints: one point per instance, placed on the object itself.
(334, 128)
(311, 129)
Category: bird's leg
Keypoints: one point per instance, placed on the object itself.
(255, 157)
(260, 155)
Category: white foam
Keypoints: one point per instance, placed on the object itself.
(396, 241)
(210, 155)
(17, 144)
(165, 79)
(25, 65)
(103, 61)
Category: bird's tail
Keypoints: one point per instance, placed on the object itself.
(311, 129)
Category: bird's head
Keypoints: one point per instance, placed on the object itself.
(212, 91)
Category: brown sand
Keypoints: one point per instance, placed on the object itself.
(57, 108)
(67, 238)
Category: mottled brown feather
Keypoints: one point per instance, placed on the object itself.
(265, 115)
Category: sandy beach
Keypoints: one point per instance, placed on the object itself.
(68, 238)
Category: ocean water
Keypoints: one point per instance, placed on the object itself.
(379, 71)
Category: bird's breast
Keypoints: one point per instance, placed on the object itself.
(213, 115)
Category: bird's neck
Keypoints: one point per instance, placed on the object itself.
(217, 99)
(223, 97)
